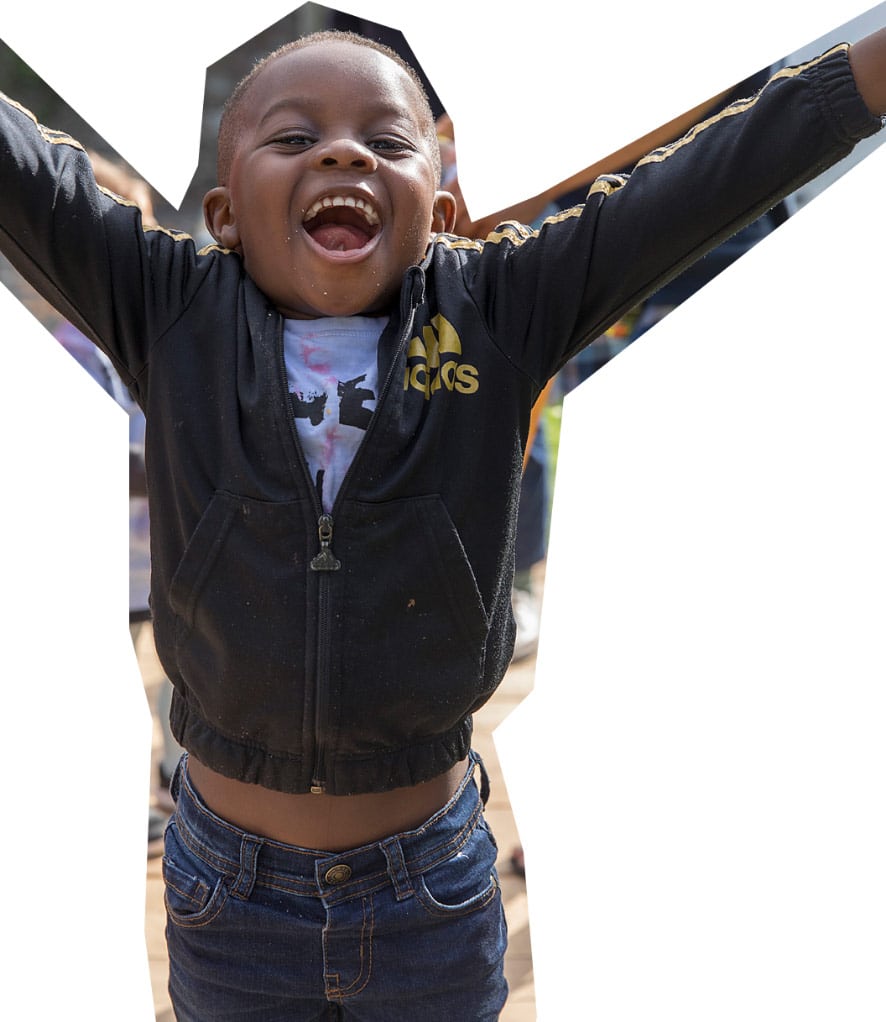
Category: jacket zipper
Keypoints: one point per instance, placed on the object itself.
(325, 562)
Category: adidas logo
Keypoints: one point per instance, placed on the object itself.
(433, 362)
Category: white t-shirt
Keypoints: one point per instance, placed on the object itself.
(332, 369)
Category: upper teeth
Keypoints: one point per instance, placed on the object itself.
(343, 200)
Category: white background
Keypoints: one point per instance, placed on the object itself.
(703, 820)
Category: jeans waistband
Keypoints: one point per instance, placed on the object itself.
(249, 859)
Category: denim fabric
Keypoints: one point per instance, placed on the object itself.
(408, 928)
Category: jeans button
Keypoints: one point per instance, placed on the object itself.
(338, 874)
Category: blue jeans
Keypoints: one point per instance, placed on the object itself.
(404, 929)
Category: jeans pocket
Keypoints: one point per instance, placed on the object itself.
(194, 893)
(463, 883)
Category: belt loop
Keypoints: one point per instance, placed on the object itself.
(245, 879)
(484, 777)
(397, 870)
(175, 782)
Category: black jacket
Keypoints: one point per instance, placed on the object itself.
(349, 651)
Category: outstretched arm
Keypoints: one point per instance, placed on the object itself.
(637, 231)
(867, 58)
(86, 247)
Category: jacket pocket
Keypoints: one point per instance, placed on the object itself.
(410, 639)
(240, 599)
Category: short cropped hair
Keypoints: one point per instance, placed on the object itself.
(232, 114)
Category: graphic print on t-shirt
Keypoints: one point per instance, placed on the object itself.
(331, 367)
(352, 404)
(352, 399)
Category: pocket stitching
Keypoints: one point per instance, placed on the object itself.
(478, 901)
(217, 901)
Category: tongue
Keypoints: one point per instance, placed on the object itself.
(340, 237)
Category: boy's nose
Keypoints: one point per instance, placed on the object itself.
(346, 152)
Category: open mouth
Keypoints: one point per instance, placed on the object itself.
(342, 223)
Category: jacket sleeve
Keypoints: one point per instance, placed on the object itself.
(544, 294)
(83, 248)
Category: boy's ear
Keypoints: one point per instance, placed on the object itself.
(443, 220)
(218, 213)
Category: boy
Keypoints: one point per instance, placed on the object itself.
(337, 398)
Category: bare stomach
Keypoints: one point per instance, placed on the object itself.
(332, 823)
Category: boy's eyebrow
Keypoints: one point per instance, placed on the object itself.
(308, 104)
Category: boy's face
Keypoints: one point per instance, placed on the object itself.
(332, 192)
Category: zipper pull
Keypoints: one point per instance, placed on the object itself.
(326, 559)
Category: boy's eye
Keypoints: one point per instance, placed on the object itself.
(389, 145)
(294, 140)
